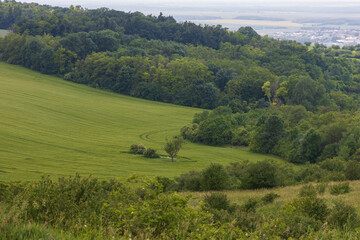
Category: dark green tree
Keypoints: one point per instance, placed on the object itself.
(215, 178)
(310, 146)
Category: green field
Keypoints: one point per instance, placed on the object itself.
(51, 126)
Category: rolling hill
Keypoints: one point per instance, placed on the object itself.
(51, 126)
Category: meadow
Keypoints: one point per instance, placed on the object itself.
(49, 126)
(286, 194)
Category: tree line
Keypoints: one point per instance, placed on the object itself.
(246, 73)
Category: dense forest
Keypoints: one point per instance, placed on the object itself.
(299, 102)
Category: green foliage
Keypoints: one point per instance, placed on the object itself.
(352, 172)
(262, 174)
(173, 146)
(343, 216)
(214, 177)
(310, 146)
(268, 134)
(269, 198)
(190, 181)
(294, 222)
(308, 191)
(333, 164)
(155, 213)
(311, 206)
(340, 188)
(240, 137)
(217, 201)
(137, 148)
(150, 153)
(69, 203)
(250, 205)
(321, 188)
(311, 173)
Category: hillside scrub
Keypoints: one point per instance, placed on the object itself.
(138, 207)
(261, 175)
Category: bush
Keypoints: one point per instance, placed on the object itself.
(137, 148)
(68, 203)
(167, 184)
(247, 221)
(262, 174)
(308, 191)
(340, 188)
(321, 188)
(269, 198)
(333, 164)
(343, 216)
(294, 223)
(240, 137)
(214, 178)
(311, 173)
(352, 171)
(312, 206)
(217, 201)
(151, 153)
(334, 177)
(250, 205)
(190, 181)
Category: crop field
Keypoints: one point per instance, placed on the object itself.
(51, 126)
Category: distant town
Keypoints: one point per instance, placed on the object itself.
(326, 35)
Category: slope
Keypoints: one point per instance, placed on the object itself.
(50, 126)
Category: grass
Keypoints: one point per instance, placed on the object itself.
(287, 194)
(3, 32)
(51, 126)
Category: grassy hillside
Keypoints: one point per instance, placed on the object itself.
(50, 126)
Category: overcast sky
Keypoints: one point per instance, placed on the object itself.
(204, 3)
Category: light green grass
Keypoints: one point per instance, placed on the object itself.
(50, 126)
(3, 32)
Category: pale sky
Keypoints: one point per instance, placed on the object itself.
(204, 3)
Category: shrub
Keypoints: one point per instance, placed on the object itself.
(167, 184)
(311, 173)
(217, 201)
(343, 216)
(308, 191)
(189, 181)
(260, 175)
(153, 215)
(340, 188)
(333, 164)
(247, 221)
(151, 153)
(321, 188)
(352, 172)
(312, 206)
(294, 223)
(334, 176)
(240, 137)
(270, 197)
(137, 148)
(190, 132)
(68, 203)
(214, 178)
(250, 205)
